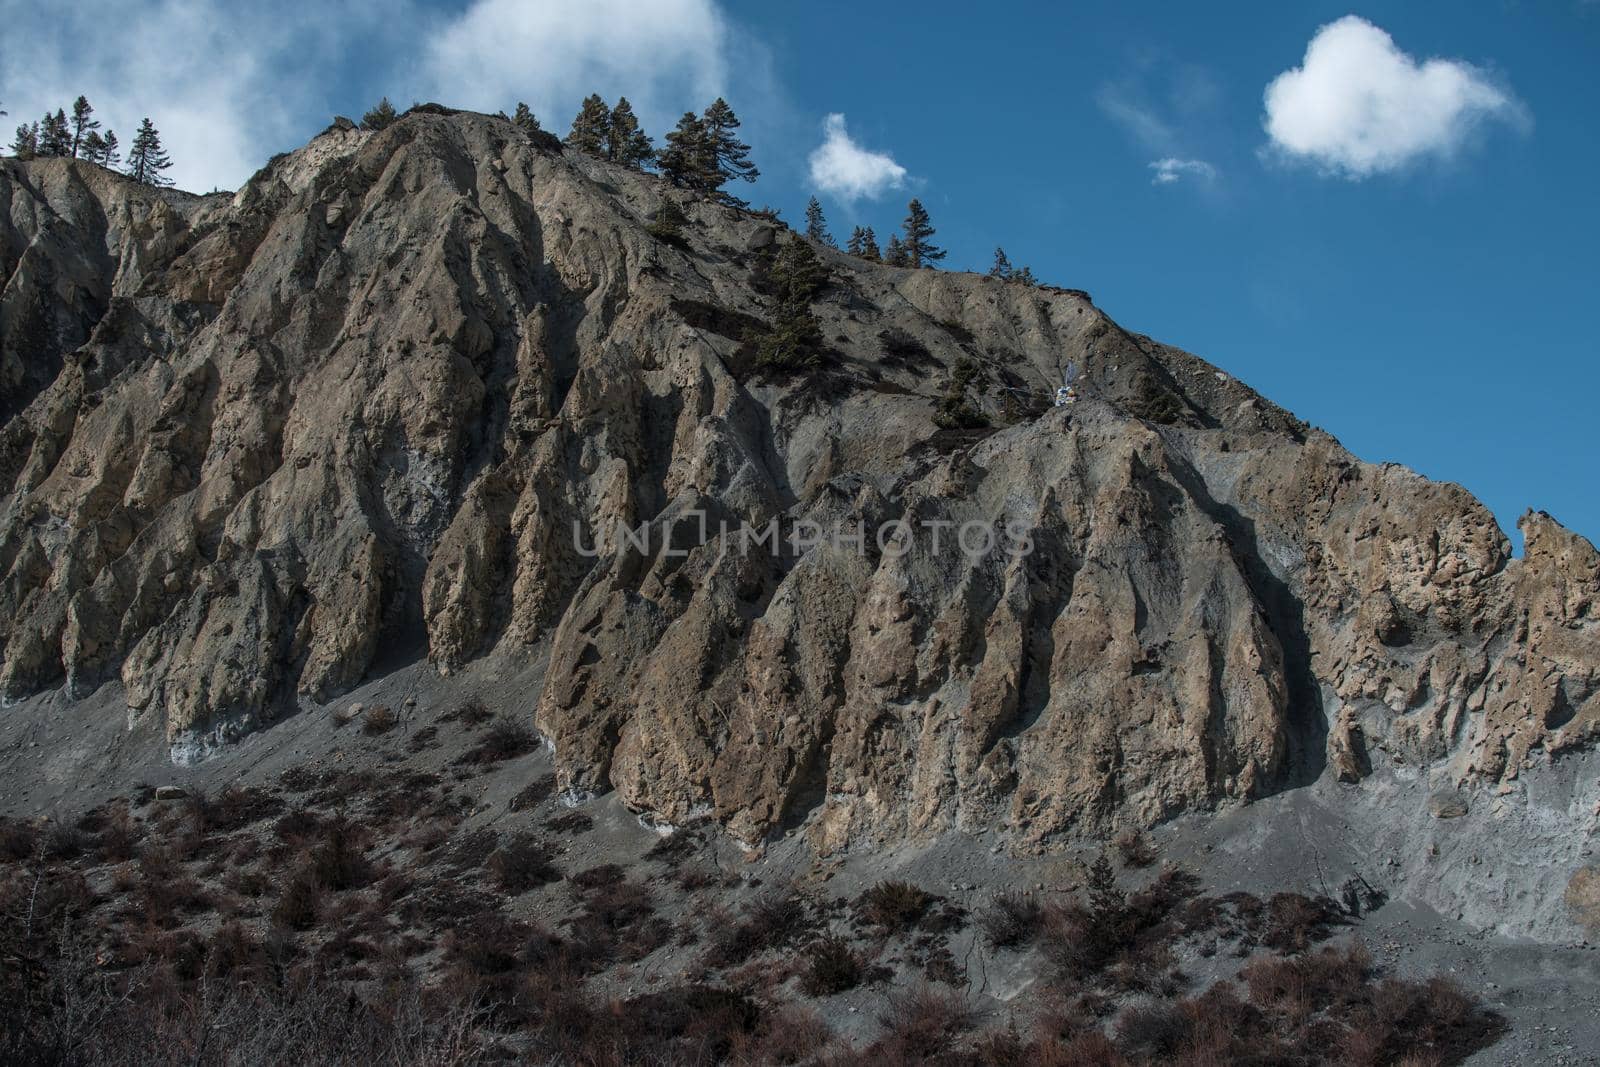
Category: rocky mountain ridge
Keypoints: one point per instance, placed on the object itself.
(373, 407)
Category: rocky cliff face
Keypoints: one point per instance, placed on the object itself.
(386, 400)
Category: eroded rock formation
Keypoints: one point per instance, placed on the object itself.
(380, 403)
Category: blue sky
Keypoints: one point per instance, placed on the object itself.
(1402, 249)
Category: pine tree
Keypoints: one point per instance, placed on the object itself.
(591, 127)
(55, 139)
(524, 118)
(626, 143)
(26, 144)
(727, 157)
(109, 156)
(920, 252)
(380, 117)
(682, 161)
(869, 246)
(896, 254)
(146, 160)
(1025, 277)
(856, 242)
(1002, 268)
(795, 338)
(668, 224)
(1107, 904)
(817, 225)
(83, 123)
(798, 275)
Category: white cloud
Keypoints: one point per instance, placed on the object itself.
(226, 84)
(666, 56)
(842, 168)
(1359, 106)
(1171, 170)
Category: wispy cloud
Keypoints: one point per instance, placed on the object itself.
(842, 168)
(1171, 170)
(665, 56)
(1358, 105)
(1120, 104)
(1165, 130)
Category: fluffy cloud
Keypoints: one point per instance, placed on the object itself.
(665, 55)
(1171, 170)
(1359, 106)
(842, 168)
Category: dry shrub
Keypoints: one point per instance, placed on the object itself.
(788, 1035)
(485, 944)
(442, 903)
(1120, 941)
(64, 842)
(117, 839)
(505, 739)
(473, 851)
(1135, 849)
(300, 903)
(233, 809)
(1294, 921)
(339, 861)
(341, 788)
(1146, 966)
(298, 826)
(771, 920)
(427, 835)
(378, 719)
(923, 1022)
(831, 966)
(1153, 1030)
(166, 889)
(422, 740)
(622, 915)
(251, 883)
(676, 847)
(1010, 919)
(18, 840)
(1001, 1048)
(893, 906)
(602, 875)
(470, 712)
(521, 864)
(533, 794)
(569, 822)
(235, 953)
(688, 1024)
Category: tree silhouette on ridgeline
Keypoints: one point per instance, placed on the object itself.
(919, 250)
(83, 123)
(60, 136)
(147, 160)
(817, 225)
(381, 117)
(703, 154)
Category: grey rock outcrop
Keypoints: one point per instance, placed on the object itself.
(379, 403)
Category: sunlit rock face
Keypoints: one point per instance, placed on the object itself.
(436, 392)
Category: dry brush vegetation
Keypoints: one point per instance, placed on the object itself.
(350, 917)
